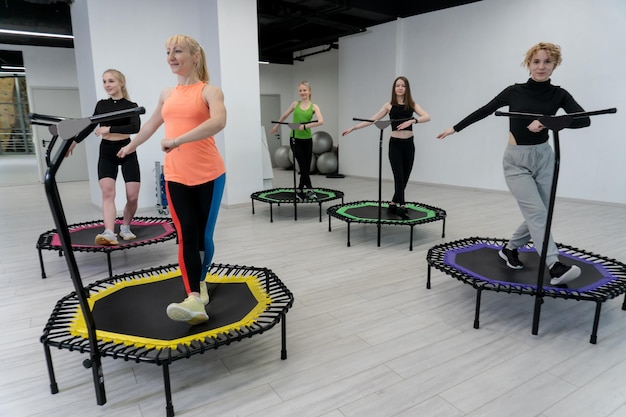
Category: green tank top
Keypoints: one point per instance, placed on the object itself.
(302, 116)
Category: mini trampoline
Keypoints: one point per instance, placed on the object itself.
(475, 261)
(280, 196)
(129, 309)
(149, 231)
(368, 212)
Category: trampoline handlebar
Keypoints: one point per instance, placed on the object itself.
(117, 114)
(292, 126)
(575, 115)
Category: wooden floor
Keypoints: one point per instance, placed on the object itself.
(365, 337)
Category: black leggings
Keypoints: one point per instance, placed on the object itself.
(303, 152)
(109, 161)
(401, 156)
(194, 213)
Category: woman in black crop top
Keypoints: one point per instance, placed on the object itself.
(529, 160)
(115, 134)
(401, 145)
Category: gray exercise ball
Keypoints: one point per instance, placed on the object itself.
(322, 142)
(327, 163)
(281, 157)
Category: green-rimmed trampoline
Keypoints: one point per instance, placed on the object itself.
(280, 196)
(371, 212)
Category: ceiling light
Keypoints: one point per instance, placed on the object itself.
(27, 33)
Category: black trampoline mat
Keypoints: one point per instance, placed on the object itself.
(84, 236)
(482, 262)
(368, 211)
(139, 310)
(282, 195)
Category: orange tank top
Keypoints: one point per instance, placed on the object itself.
(191, 163)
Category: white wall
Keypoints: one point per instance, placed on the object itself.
(457, 59)
(136, 46)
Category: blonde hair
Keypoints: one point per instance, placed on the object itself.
(308, 86)
(121, 79)
(553, 51)
(187, 42)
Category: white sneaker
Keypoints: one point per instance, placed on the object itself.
(125, 232)
(107, 238)
(204, 293)
(191, 310)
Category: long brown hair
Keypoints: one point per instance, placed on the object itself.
(409, 103)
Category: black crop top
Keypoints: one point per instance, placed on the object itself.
(531, 97)
(401, 114)
(125, 125)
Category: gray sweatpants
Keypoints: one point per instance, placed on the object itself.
(528, 171)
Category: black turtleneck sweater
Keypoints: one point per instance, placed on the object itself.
(532, 97)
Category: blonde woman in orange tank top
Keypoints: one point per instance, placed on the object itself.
(193, 112)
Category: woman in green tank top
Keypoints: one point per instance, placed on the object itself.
(307, 115)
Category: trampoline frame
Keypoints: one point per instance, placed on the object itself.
(612, 289)
(57, 330)
(440, 214)
(258, 195)
(44, 242)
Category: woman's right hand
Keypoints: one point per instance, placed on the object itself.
(274, 129)
(449, 131)
(71, 149)
(347, 131)
(126, 150)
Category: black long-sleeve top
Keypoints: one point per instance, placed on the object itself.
(124, 125)
(532, 97)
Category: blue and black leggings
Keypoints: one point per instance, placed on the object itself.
(194, 212)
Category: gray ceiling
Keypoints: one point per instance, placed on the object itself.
(285, 26)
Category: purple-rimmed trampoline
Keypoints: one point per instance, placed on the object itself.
(475, 261)
(149, 231)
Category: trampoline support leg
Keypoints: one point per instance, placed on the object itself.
(443, 230)
(348, 234)
(320, 203)
(537, 314)
(283, 330)
(252, 199)
(43, 272)
(54, 388)
(596, 322)
(271, 213)
(624, 303)
(428, 278)
(169, 407)
(477, 312)
(411, 239)
(109, 264)
(329, 229)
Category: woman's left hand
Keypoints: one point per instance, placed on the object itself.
(405, 124)
(536, 126)
(168, 144)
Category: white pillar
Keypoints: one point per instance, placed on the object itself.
(130, 36)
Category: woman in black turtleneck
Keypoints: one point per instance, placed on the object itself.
(529, 160)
